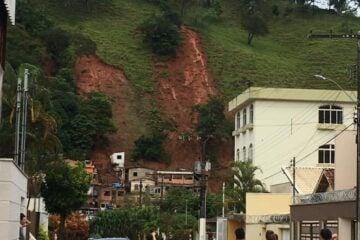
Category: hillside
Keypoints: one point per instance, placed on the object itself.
(213, 60)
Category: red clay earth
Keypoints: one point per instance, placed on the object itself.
(181, 83)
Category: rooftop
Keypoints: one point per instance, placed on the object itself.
(308, 179)
(290, 94)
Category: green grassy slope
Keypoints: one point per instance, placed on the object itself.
(284, 58)
(112, 25)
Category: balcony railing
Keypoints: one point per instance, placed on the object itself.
(326, 197)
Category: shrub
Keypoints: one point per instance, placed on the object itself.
(150, 148)
(161, 35)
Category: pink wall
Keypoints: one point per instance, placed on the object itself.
(345, 160)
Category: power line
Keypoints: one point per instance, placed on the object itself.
(315, 150)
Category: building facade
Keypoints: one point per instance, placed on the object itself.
(274, 125)
(337, 209)
(13, 198)
(267, 211)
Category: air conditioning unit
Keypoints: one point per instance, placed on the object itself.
(118, 159)
(197, 167)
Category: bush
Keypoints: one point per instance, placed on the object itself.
(161, 35)
(83, 45)
(43, 235)
(150, 148)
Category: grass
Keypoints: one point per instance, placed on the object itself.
(284, 58)
(112, 25)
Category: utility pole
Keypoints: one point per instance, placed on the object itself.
(357, 37)
(202, 228)
(141, 185)
(24, 119)
(294, 188)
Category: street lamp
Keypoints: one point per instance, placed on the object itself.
(321, 77)
(357, 135)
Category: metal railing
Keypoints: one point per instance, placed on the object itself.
(334, 196)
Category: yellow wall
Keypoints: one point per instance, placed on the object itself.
(232, 225)
(267, 203)
(258, 204)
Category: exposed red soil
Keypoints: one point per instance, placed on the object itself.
(181, 83)
(187, 83)
(92, 74)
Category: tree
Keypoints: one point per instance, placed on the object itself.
(339, 5)
(212, 122)
(131, 222)
(161, 35)
(244, 181)
(64, 190)
(255, 25)
(252, 18)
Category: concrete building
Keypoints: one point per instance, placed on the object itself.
(13, 198)
(140, 173)
(267, 211)
(337, 209)
(273, 125)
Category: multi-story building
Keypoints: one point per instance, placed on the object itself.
(274, 125)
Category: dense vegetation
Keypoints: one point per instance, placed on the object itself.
(50, 34)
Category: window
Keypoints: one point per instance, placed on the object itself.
(327, 154)
(244, 117)
(330, 114)
(119, 157)
(251, 119)
(238, 120)
(250, 152)
(238, 155)
(244, 153)
(136, 187)
(134, 174)
(107, 193)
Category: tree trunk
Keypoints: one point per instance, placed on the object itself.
(250, 37)
(62, 228)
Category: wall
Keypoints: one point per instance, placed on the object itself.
(13, 185)
(284, 129)
(141, 173)
(267, 203)
(345, 168)
(262, 204)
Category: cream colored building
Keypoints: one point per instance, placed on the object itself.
(273, 125)
(13, 198)
(267, 211)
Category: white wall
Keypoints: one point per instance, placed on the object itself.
(283, 130)
(344, 229)
(13, 185)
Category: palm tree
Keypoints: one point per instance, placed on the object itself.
(244, 181)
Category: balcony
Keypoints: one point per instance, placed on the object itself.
(243, 129)
(326, 197)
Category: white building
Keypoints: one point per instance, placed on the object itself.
(274, 125)
(13, 198)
